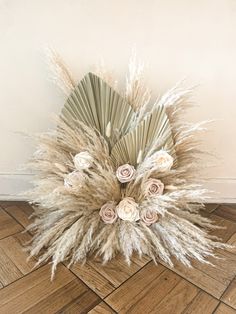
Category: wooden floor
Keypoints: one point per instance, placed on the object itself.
(115, 288)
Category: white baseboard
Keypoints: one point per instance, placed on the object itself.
(223, 190)
(12, 184)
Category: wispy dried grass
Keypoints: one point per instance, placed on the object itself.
(107, 76)
(136, 94)
(60, 74)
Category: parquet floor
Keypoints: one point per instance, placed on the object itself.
(114, 288)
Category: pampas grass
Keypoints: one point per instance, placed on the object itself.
(60, 74)
(67, 224)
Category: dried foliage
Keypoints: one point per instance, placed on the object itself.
(60, 74)
(67, 224)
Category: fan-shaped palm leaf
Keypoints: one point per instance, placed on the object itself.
(97, 105)
(153, 133)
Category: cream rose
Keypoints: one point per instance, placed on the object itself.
(127, 209)
(83, 160)
(149, 216)
(125, 173)
(74, 179)
(108, 212)
(162, 160)
(153, 187)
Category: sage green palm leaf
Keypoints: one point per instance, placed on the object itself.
(152, 134)
(96, 104)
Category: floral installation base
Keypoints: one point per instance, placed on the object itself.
(120, 174)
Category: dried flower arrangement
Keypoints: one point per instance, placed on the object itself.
(119, 175)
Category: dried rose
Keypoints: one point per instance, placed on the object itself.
(162, 160)
(108, 212)
(83, 160)
(127, 209)
(74, 179)
(125, 173)
(149, 216)
(153, 187)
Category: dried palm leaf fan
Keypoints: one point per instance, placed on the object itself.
(118, 175)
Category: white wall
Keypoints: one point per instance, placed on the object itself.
(178, 38)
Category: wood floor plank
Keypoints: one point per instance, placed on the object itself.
(103, 279)
(211, 207)
(8, 270)
(8, 225)
(227, 211)
(232, 241)
(224, 309)
(93, 279)
(74, 297)
(140, 261)
(82, 305)
(102, 308)
(14, 249)
(177, 299)
(143, 291)
(35, 293)
(213, 280)
(229, 227)
(202, 303)
(5, 204)
(117, 270)
(37, 284)
(229, 297)
(21, 212)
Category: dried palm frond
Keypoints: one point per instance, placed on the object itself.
(153, 133)
(97, 105)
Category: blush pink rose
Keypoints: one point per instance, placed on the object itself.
(153, 187)
(108, 212)
(125, 173)
(149, 216)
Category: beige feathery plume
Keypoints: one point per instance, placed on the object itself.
(136, 94)
(107, 76)
(60, 74)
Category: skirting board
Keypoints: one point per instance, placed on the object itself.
(12, 184)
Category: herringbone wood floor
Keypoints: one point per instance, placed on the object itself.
(116, 288)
